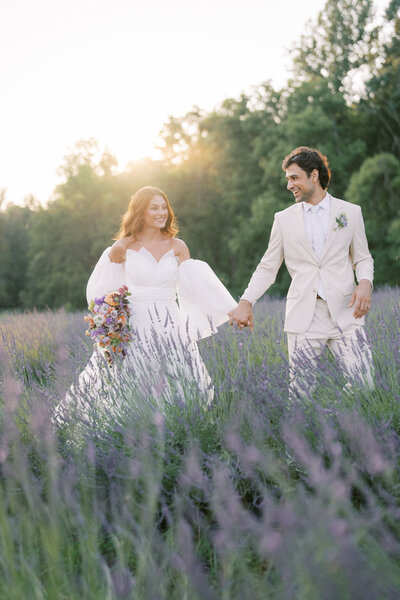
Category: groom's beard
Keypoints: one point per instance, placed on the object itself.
(304, 196)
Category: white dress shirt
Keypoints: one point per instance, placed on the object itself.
(316, 222)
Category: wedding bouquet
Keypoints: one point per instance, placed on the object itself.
(109, 323)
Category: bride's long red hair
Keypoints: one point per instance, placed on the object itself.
(133, 218)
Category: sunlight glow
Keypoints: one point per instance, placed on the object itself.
(116, 72)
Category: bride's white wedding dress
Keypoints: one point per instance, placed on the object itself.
(171, 306)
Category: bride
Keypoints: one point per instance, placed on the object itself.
(174, 301)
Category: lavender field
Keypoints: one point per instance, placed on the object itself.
(258, 497)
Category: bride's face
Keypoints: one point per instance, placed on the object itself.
(156, 213)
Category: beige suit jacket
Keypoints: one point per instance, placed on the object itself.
(345, 250)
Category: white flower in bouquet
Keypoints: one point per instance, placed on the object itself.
(99, 319)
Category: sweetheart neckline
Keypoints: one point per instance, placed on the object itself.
(152, 256)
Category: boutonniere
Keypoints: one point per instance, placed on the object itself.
(341, 221)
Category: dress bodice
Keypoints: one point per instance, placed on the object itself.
(204, 302)
(142, 269)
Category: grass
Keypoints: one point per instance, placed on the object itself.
(254, 498)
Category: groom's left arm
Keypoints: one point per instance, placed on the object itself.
(364, 268)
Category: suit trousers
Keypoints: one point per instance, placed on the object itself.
(350, 348)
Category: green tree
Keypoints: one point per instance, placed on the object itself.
(342, 40)
(312, 115)
(375, 187)
(67, 237)
(14, 242)
(382, 102)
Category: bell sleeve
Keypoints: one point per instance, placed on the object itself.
(106, 277)
(204, 302)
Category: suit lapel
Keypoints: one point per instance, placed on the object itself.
(330, 237)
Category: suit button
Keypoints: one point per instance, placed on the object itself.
(319, 267)
(315, 290)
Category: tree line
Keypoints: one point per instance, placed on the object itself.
(222, 169)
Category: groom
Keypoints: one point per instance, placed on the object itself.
(322, 240)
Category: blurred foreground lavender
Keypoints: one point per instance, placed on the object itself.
(255, 498)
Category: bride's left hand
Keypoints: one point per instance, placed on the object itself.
(242, 315)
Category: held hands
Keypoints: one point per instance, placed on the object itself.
(361, 298)
(242, 315)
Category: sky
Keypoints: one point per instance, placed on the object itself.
(115, 70)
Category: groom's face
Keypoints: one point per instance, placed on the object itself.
(301, 185)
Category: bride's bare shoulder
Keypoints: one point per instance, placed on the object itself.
(181, 250)
(118, 250)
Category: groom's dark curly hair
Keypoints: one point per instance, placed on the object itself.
(309, 159)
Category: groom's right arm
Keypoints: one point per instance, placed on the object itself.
(268, 267)
(262, 278)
